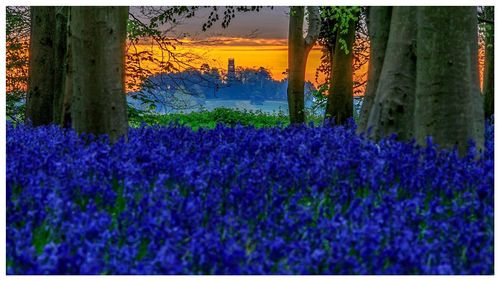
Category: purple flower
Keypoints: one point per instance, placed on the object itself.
(294, 200)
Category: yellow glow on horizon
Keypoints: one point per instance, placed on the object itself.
(269, 53)
(272, 57)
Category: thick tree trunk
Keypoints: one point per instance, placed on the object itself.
(379, 22)
(41, 66)
(68, 85)
(296, 66)
(393, 106)
(60, 62)
(339, 100)
(298, 50)
(68, 80)
(449, 105)
(489, 67)
(98, 51)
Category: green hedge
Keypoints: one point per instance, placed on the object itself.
(209, 119)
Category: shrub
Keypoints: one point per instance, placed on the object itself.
(209, 119)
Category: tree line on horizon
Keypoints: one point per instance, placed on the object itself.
(423, 77)
(164, 90)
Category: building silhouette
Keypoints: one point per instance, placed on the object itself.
(231, 74)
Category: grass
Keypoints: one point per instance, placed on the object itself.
(210, 119)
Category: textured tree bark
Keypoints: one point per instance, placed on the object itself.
(296, 66)
(489, 68)
(339, 100)
(379, 22)
(98, 50)
(41, 66)
(298, 50)
(449, 105)
(394, 99)
(68, 80)
(60, 62)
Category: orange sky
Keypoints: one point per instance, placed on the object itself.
(274, 58)
(251, 53)
(254, 53)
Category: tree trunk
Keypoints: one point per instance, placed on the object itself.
(394, 99)
(379, 22)
(60, 62)
(68, 79)
(489, 67)
(68, 84)
(41, 66)
(449, 106)
(339, 100)
(298, 50)
(296, 66)
(98, 37)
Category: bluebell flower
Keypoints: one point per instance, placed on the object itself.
(294, 200)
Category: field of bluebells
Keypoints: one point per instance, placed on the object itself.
(295, 200)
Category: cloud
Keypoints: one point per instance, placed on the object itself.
(237, 41)
(266, 24)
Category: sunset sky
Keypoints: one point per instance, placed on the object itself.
(272, 55)
(253, 39)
